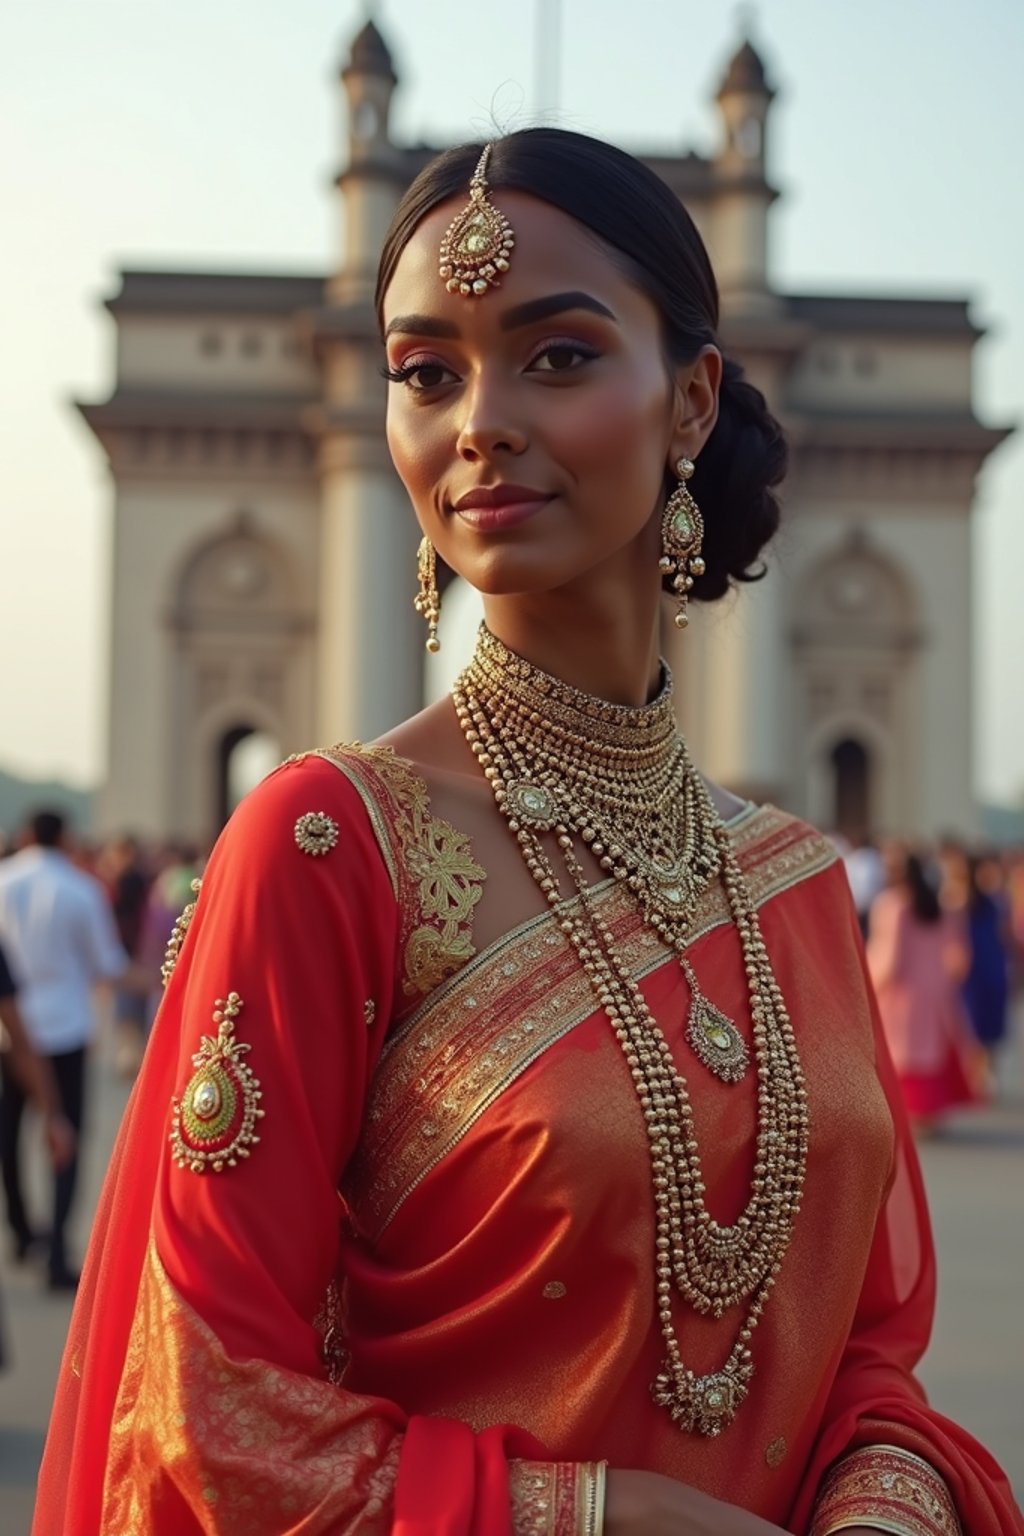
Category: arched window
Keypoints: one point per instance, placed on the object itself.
(851, 769)
(246, 755)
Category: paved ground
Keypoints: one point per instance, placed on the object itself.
(974, 1370)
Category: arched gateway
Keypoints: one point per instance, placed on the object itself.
(262, 391)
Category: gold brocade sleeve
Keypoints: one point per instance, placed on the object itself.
(885, 1489)
(245, 1447)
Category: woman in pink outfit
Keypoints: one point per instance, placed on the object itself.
(918, 957)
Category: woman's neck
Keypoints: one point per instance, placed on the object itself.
(611, 654)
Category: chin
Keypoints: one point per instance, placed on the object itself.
(510, 572)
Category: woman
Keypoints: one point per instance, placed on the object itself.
(986, 989)
(918, 957)
(22, 1065)
(24, 1071)
(585, 1043)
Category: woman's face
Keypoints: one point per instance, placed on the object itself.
(551, 391)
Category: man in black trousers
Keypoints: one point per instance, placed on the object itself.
(60, 939)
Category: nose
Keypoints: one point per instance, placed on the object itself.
(488, 424)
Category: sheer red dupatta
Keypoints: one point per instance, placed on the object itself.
(873, 1398)
(193, 1394)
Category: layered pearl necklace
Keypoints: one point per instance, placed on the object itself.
(567, 768)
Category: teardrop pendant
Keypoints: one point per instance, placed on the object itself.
(715, 1038)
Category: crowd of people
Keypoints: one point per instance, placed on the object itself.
(944, 931)
(74, 917)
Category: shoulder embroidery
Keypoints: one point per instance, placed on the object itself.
(213, 1123)
(437, 881)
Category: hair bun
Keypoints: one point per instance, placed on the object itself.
(740, 464)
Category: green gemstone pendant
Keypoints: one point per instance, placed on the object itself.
(716, 1040)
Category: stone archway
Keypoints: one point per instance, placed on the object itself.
(855, 647)
(851, 786)
(245, 755)
(241, 659)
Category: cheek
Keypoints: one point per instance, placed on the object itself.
(615, 434)
(417, 452)
(613, 426)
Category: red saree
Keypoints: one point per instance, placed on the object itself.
(437, 1347)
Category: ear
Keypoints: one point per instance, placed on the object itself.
(697, 384)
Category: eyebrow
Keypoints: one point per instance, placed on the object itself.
(512, 319)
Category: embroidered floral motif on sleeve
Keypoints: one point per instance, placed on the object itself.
(316, 833)
(889, 1490)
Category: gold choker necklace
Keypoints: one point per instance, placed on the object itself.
(573, 768)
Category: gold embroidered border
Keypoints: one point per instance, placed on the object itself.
(436, 880)
(545, 1496)
(478, 1032)
(887, 1489)
(252, 1448)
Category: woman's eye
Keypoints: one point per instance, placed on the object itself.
(562, 357)
(419, 376)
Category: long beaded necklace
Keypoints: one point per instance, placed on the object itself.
(566, 765)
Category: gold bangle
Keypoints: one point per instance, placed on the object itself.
(888, 1489)
(590, 1480)
(600, 1482)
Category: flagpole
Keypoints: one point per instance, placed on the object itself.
(547, 62)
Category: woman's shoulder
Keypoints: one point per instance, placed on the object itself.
(766, 837)
(372, 804)
(336, 805)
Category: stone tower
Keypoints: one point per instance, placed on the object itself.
(368, 630)
(743, 193)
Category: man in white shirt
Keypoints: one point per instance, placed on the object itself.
(60, 938)
(865, 871)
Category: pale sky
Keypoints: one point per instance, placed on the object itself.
(205, 133)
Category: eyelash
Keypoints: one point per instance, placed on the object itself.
(409, 370)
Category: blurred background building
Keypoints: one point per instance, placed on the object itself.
(265, 551)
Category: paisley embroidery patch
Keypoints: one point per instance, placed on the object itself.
(213, 1122)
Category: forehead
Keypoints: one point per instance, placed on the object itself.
(553, 254)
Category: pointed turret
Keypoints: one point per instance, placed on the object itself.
(744, 98)
(367, 629)
(372, 180)
(370, 54)
(741, 212)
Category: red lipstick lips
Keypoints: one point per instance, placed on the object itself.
(500, 506)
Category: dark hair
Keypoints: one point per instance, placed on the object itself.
(47, 828)
(633, 212)
(978, 899)
(923, 899)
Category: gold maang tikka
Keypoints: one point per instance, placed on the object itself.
(682, 535)
(477, 245)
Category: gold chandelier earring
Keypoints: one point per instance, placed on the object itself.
(682, 535)
(428, 599)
